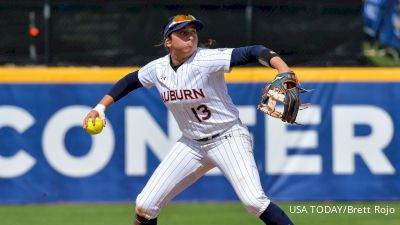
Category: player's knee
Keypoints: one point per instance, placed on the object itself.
(146, 209)
(256, 205)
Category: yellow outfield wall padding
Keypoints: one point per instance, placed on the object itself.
(63, 74)
(238, 75)
(260, 74)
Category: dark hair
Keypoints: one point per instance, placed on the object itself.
(209, 44)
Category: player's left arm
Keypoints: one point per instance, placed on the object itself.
(258, 53)
(283, 89)
(280, 65)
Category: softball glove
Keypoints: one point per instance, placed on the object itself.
(283, 89)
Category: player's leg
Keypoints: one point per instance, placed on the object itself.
(234, 157)
(275, 215)
(182, 166)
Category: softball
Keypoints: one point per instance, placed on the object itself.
(96, 128)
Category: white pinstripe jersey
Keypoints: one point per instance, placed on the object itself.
(196, 93)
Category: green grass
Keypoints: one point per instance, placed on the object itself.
(380, 56)
(189, 214)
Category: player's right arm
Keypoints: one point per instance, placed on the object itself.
(125, 85)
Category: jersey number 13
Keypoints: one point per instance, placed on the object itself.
(201, 113)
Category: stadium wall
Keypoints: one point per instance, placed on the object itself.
(348, 148)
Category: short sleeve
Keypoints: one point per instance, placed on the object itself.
(147, 75)
(214, 60)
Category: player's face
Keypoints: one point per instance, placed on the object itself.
(184, 41)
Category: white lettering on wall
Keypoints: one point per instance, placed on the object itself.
(21, 162)
(143, 134)
(279, 140)
(58, 156)
(142, 130)
(370, 148)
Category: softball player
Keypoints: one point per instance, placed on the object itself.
(191, 83)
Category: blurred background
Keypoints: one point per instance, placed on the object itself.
(124, 33)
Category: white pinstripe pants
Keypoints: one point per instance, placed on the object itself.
(188, 160)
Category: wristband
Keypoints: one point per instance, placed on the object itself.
(265, 56)
(100, 108)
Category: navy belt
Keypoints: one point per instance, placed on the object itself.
(209, 138)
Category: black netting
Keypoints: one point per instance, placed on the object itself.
(15, 41)
(124, 33)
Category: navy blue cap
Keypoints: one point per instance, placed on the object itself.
(174, 26)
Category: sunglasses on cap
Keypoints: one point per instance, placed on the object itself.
(180, 19)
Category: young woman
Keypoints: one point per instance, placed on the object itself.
(191, 84)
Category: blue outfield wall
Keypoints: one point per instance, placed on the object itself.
(348, 148)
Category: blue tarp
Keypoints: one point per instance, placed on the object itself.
(382, 21)
(348, 148)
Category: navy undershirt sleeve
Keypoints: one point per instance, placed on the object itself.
(245, 55)
(125, 85)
